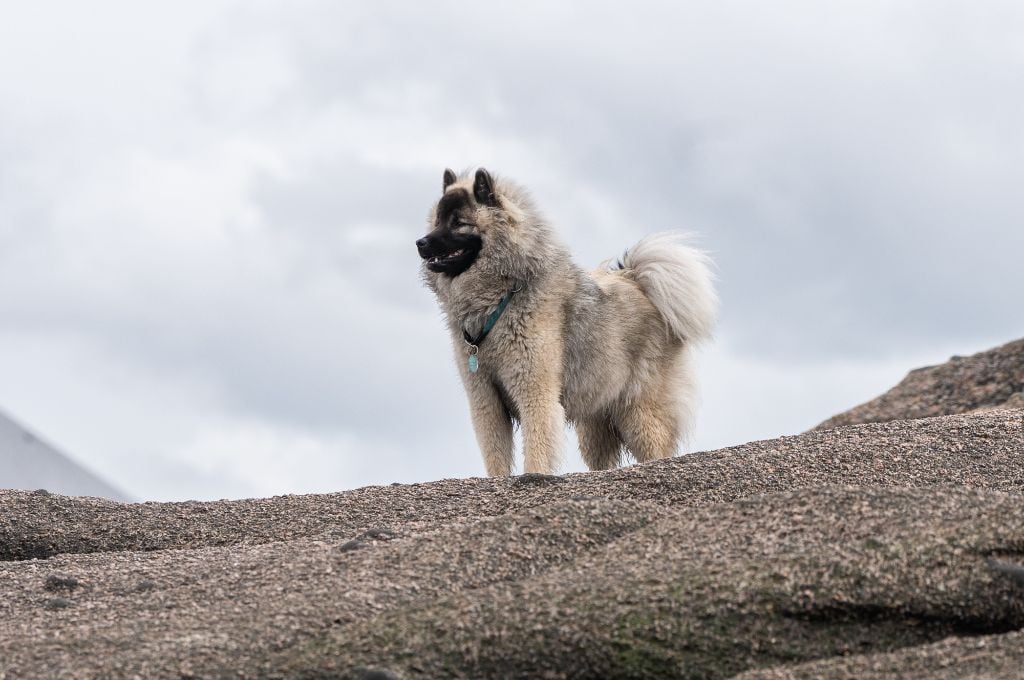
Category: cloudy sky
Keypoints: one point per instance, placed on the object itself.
(208, 284)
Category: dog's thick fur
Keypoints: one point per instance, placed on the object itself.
(607, 350)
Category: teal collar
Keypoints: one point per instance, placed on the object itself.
(491, 319)
(474, 342)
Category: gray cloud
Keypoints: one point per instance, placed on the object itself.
(240, 213)
(857, 162)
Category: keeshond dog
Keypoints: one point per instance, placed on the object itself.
(540, 341)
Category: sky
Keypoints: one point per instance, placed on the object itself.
(208, 280)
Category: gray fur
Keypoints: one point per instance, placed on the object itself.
(607, 351)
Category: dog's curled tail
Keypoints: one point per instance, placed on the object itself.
(677, 279)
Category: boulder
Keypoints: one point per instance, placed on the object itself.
(863, 542)
(987, 380)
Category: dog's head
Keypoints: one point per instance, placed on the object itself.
(460, 222)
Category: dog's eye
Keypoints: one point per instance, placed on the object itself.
(462, 225)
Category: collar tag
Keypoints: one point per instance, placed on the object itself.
(473, 344)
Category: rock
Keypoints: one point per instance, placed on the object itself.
(871, 550)
(1013, 571)
(963, 451)
(361, 673)
(985, 381)
(57, 603)
(598, 588)
(535, 478)
(985, 657)
(60, 582)
(354, 544)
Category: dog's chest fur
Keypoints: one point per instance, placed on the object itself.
(565, 312)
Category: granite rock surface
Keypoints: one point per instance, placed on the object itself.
(986, 380)
(887, 549)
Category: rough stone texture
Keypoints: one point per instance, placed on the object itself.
(987, 380)
(981, 452)
(989, 657)
(890, 549)
(876, 542)
(715, 590)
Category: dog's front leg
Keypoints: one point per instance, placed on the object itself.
(543, 434)
(537, 393)
(492, 425)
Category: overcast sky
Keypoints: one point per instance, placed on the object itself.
(208, 283)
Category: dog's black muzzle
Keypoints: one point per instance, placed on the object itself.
(448, 253)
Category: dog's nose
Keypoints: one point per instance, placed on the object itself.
(425, 246)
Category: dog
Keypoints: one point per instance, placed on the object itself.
(540, 342)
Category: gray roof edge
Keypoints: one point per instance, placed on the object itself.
(27, 461)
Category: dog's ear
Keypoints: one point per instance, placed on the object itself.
(483, 188)
(449, 179)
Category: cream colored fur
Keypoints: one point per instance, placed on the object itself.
(608, 351)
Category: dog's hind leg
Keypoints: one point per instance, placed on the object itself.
(650, 429)
(492, 424)
(600, 445)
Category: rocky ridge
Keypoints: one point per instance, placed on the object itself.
(874, 550)
(987, 380)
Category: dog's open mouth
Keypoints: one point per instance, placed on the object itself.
(452, 258)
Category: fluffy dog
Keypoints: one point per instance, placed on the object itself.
(540, 341)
